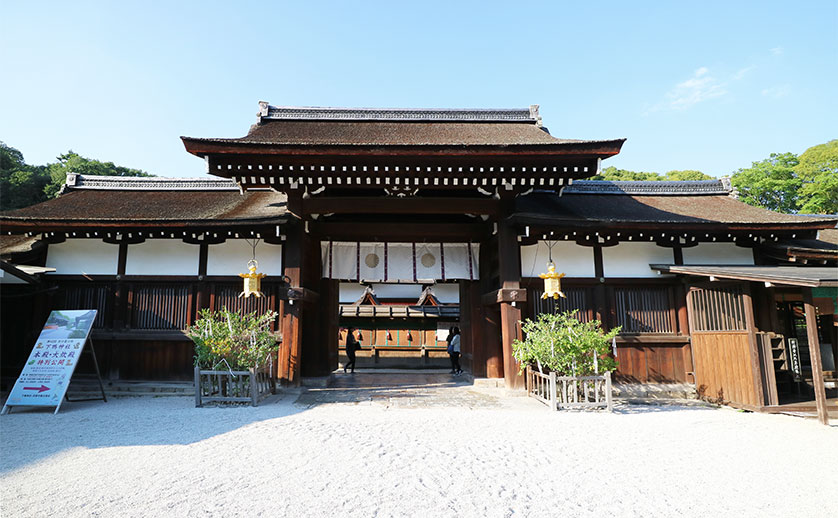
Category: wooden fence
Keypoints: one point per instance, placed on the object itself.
(570, 392)
(230, 386)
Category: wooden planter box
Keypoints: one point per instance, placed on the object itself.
(250, 386)
(570, 392)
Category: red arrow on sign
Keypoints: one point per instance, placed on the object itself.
(40, 389)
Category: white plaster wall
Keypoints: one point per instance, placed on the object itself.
(570, 258)
(718, 253)
(633, 259)
(162, 257)
(231, 257)
(447, 293)
(397, 291)
(83, 256)
(349, 292)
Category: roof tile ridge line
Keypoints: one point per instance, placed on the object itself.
(77, 181)
(713, 186)
(529, 114)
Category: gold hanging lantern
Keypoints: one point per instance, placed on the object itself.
(252, 280)
(552, 282)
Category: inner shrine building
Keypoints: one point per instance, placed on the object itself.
(403, 222)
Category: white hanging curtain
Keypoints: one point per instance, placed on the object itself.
(405, 262)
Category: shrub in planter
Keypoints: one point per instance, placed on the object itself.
(561, 343)
(242, 340)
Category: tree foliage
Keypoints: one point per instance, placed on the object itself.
(771, 183)
(787, 183)
(613, 174)
(561, 343)
(818, 173)
(22, 185)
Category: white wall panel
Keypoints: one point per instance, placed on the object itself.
(570, 258)
(447, 293)
(349, 292)
(162, 257)
(231, 257)
(718, 253)
(83, 256)
(398, 291)
(633, 259)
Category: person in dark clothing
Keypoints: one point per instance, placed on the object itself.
(454, 351)
(352, 345)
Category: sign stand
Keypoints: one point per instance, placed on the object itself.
(49, 369)
(98, 377)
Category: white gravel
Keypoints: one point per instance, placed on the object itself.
(163, 457)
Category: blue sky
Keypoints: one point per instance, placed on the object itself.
(692, 85)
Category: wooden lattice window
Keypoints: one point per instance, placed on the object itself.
(89, 296)
(643, 310)
(160, 306)
(576, 299)
(718, 309)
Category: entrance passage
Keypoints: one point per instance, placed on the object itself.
(401, 326)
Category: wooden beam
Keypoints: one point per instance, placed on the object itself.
(392, 205)
(504, 295)
(436, 232)
(815, 355)
(756, 364)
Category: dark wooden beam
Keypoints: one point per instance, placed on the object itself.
(406, 205)
(350, 231)
(504, 295)
(815, 355)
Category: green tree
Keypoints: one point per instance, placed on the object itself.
(71, 162)
(611, 173)
(688, 174)
(772, 183)
(818, 172)
(21, 184)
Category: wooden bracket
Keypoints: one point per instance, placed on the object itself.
(505, 295)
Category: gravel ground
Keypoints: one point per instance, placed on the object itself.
(471, 454)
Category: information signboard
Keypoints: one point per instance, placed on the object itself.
(47, 372)
(794, 352)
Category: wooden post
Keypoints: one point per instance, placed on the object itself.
(554, 397)
(254, 389)
(609, 402)
(815, 355)
(198, 387)
(509, 269)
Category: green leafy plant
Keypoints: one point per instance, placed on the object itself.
(561, 343)
(242, 340)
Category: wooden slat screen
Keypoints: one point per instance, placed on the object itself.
(577, 298)
(89, 296)
(160, 306)
(718, 309)
(227, 296)
(643, 310)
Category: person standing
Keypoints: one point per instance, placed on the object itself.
(454, 351)
(352, 345)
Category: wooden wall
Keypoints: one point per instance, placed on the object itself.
(654, 363)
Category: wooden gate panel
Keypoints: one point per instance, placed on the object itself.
(723, 367)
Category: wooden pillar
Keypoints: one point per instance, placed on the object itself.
(815, 355)
(292, 264)
(509, 269)
(756, 364)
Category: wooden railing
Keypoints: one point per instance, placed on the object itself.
(570, 392)
(229, 386)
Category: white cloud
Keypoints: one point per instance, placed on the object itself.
(742, 72)
(777, 51)
(777, 92)
(700, 87)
